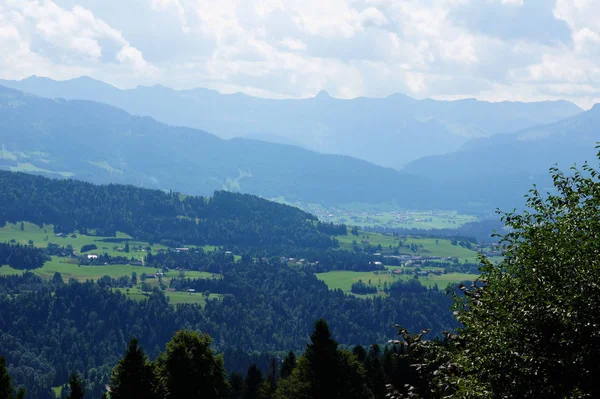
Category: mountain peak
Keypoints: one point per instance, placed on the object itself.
(322, 94)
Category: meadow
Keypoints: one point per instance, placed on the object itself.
(42, 236)
(424, 246)
(174, 297)
(70, 269)
(343, 280)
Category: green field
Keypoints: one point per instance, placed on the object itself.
(175, 297)
(430, 246)
(343, 280)
(42, 236)
(69, 269)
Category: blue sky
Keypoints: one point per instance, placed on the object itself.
(489, 49)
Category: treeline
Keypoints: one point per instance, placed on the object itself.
(476, 232)
(22, 257)
(51, 328)
(360, 288)
(188, 367)
(156, 216)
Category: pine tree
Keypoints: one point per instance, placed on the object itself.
(252, 382)
(236, 386)
(374, 371)
(6, 388)
(76, 390)
(288, 365)
(322, 357)
(133, 377)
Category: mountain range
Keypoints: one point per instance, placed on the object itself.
(499, 170)
(391, 131)
(102, 144)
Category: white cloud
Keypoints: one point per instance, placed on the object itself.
(513, 2)
(293, 44)
(51, 40)
(490, 49)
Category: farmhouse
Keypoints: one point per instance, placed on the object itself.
(92, 256)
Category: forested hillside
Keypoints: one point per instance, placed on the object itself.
(102, 144)
(53, 328)
(156, 216)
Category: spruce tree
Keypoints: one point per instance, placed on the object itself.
(76, 390)
(323, 361)
(6, 388)
(374, 370)
(253, 381)
(236, 386)
(288, 365)
(133, 377)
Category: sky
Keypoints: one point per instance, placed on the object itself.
(517, 50)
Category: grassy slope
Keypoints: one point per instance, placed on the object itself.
(344, 279)
(41, 237)
(431, 246)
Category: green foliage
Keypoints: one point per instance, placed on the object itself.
(189, 368)
(531, 328)
(156, 216)
(288, 364)
(324, 371)
(253, 382)
(22, 257)
(133, 377)
(76, 390)
(88, 247)
(530, 324)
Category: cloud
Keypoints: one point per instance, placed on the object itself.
(491, 49)
(60, 40)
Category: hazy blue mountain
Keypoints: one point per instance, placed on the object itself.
(389, 131)
(498, 170)
(100, 143)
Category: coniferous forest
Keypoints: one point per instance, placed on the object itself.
(526, 328)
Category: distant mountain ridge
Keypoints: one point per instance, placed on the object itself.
(499, 170)
(389, 131)
(102, 144)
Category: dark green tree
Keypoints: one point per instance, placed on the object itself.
(236, 386)
(253, 382)
(324, 371)
(189, 368)
(360, 353)
(6, 388)
(323, 359)
(76, 390)
(374, 371)
(288, 364)
(133, 377)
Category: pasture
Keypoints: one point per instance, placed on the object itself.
(42, 236)
(174, 297)
(343, 280)
(423, 246)
(69, 269)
